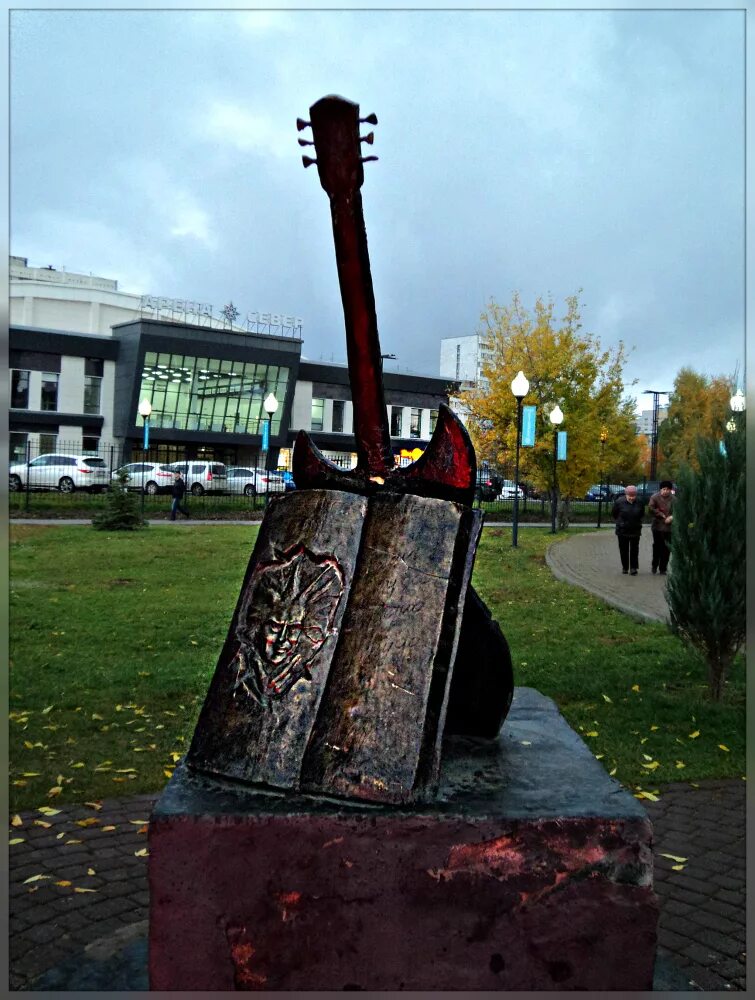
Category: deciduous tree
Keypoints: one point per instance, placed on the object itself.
(698, 407)
(564, 365)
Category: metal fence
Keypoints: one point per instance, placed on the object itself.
(52, 490)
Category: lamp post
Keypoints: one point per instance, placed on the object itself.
(270, 405)
(556, 417)
(145, 411)
(738, 403)
(520, 387)
(603, 439)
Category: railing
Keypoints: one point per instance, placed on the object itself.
(38, 497)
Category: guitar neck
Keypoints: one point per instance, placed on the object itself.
(373, 442)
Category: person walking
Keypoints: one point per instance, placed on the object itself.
(660, 506)
(628, 512)
(178, 490)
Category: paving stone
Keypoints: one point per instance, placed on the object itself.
(699, 954)
(718, 942)
(672, 941)
(708, 918)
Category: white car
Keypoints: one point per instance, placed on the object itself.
(148, 477)
(66, 473)
(202, 477)
(252, 482)
(509, 490)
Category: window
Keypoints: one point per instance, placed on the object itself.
(19, 389)
(18, 443)
(90, 444)
(318, 414)
(338, 416)
(458, 361)
(433, 420)
(48, 442)
(414, 426)
(49, 391)
(92, 394)
(396, 415)
(201, 393)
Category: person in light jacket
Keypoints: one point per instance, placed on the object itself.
(660, 506)
(628, 513)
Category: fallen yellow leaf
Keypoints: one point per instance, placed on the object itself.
(16, 840)
(106, 829)
(525, 743)
(55, 790)
(96, 715)
(16, 820)
(673, 857)
(593, 732)
(91, 871)
(77, 889)
(142, 854)
(48, 811)
(41, 822)
(30, 774)
(722, 747)
(653, 729)
(63, 881)
(646, 795)
(90, 821)
(635, 687)
(607, 699)
(35, 878)
(647, 757)
(72, 841)
(94, 805)
(611, 773)
(680, 764)
(678, 868)
(652, 765)
(693, 736)
(138, 822)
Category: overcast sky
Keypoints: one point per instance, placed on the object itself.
(539, 151)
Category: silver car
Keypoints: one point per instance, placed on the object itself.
(66, 473)
(252, 482)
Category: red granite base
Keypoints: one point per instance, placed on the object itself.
(254, 891)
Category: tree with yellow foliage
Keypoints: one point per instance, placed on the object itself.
(698, 408)
(564, 365)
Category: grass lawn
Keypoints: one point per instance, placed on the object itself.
(114, 638)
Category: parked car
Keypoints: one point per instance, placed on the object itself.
(66, 473)
(147, 477)
(509, 490)
(608, 491)
(202, 477)
(487, 486)
(251, 482)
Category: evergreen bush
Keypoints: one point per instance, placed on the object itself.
(121, 511)
(706, 585)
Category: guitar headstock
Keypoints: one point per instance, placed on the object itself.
(335, 130)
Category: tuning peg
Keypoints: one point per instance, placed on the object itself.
(308, 161)
(369, 138)
(300, 124)
(371, 119)
(305, 142)
(366, 159)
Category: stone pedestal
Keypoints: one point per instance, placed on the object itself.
(531, 871)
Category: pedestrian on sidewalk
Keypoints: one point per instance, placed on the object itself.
(628, 513)
(660, 506)
(178, 490)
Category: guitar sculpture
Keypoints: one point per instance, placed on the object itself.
(447, 469)
(356, 608)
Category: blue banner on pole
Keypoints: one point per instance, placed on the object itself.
(528, 426)
(266, 435)
(146, 433)
(722, 447)
(561, 447)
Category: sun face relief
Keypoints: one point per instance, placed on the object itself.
(285, 618)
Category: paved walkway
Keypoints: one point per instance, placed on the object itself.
(591, 560)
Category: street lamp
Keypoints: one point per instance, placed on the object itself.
(738, 402)
(603, 439)
(271, 405)
(145, 411)
(556, 417)
(520, 387)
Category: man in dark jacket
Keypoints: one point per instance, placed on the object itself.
(628, 512)
(178, 490)
(660, 506)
